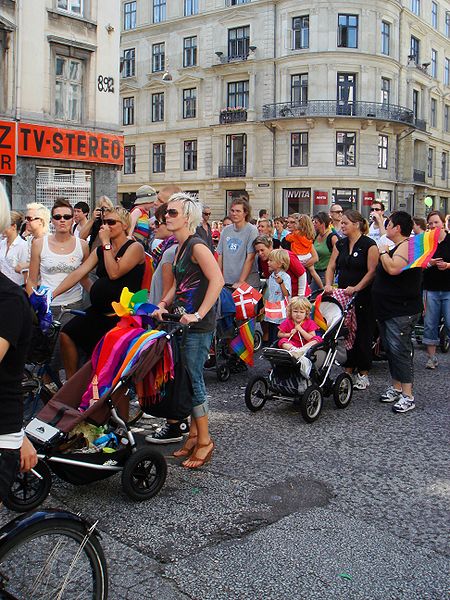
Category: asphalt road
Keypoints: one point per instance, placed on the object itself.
(353, 506)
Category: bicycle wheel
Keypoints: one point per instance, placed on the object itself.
(59, 559)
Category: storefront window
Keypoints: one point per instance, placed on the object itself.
(346, 197)
(297, 200)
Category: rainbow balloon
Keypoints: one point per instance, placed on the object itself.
(421, 248)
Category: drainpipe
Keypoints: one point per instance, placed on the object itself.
(18, 60)
(273, 129)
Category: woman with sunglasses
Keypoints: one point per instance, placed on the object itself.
(197, 286)
(37, 222)
(13, 250)
(120, 263)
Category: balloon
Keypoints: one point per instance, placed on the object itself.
(428, 201)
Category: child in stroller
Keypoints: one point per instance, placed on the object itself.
(297, 333)
(306, 379)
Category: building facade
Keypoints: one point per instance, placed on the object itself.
(295, 104)
(59, 100)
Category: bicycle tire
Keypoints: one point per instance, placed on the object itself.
(33, 558)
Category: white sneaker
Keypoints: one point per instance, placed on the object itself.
(432, 362)
(405, 404)
(391, 395)
(361, 382)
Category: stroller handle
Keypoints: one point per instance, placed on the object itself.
(171, 317)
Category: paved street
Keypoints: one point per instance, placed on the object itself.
(354, 506)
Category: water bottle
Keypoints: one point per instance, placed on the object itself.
(109, 439)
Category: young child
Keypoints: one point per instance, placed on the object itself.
(278, 287)
(298, 332)
(301, 244)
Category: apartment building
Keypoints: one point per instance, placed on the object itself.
(60, 134)
(294, 104)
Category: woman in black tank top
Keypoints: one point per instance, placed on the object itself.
(197, 285)
(120, 263)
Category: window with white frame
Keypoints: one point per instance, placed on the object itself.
(345, 149)
(190, 7)
(414, 49)
(129, 16)
(415, 103)
(159, 158)
(447, 118)
(383, 146)
(190, 51)
(434, 14)
(385, 38)
(299, 149)
(415, 7)
(158, 107)
(239, 42)
(430, 162)
(159, 11)
(433, 112)
(347, 31)
(158, 57)
(73, 7)
(434, 60)
(128, 111)
(237, 94)
(447, 71)
(129, 63)
(385, 90)
(190, 103)
(447, 24)
(190, 155)
(300, 32)
(444, 166)
(129, 165)
(68, 89)
(299, 89)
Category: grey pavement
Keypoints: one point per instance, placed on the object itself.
(354, 505)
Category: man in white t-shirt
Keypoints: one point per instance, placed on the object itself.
(80, 217)
(377, 221)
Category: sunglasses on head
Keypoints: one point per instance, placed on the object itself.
(110, 222)
(29, 219)
(59, 217)
(172, 212)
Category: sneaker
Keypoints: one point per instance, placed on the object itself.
(391, 395)
(361, 382)
(405, 404)
(169, 433)
(432, 362)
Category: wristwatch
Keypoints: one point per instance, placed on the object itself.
(107, 247)
(197, 316)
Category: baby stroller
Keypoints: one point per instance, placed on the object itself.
(306, 380)
(143, 470)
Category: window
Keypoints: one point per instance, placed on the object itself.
(74, 7)
(190, 155)
(444, 165)
(299, 89)
(383, 141)
(347, 31)
(159, 11)
(447, 71)
(447, 24)
(385, 38)
(238, 42)
(300, 32)
(434, 15)
(129, 166)
(430, 161)
(385, 90)
(129, 16)
(190, 103)
(236, 151)
(158, 107)
(414, 49)
(415, 104)
(158, 57)
(128, 111)
(434, 59)
(345, 149)
(447, 118)
(190, 51)
(433, 112)
(129, 63)
(346, 93)
(299, 149)
(236, 2)
(190, 7)
(415, 7)
(68, 88)
(159, 158)
(237, 94)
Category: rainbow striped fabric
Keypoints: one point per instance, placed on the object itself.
(316, 314)
(421, 248)
(243, 343)
(142, 229)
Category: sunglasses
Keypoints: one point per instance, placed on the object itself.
(29, 219)
(207, 214)
(157, 223)
(59, 217)
(110, 222)
(337, 212)
(172, 212)
(376, 209)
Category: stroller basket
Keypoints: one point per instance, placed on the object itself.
(43, 344)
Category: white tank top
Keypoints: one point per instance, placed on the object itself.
(54, 269)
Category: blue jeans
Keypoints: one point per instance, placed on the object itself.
(196, 352)
(437, 305)
(396, 337)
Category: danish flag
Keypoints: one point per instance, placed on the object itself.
(276, 310)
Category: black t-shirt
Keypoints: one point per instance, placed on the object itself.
(352, 267)
(433, 279)
(397, 295)
(15, 327)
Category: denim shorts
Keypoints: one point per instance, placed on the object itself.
(9, 467)
(396, 337)
(196, 349)
(437, 307)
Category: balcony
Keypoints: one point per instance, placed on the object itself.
(233, 115)
(421, 124)
(331, 108)
(232, 171)
(224, 59)
(419, 176)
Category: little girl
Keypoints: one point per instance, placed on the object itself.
(301, 244)
(298, 332)
(278, 287)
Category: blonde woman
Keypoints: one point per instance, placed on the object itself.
(37, 225)
(13, 250)
(90, 230)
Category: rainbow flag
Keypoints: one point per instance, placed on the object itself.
(421, 248)
(316, 314)
(243, 343)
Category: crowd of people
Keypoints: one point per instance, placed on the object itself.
(87, 259)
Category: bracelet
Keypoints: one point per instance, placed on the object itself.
(384, 252)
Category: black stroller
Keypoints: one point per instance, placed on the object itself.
(306, 380)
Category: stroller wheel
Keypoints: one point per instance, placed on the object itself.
(444, 342)
(256, 393)
(144, 474)
(343, 390)
(223, 373)
(28, 491)
(257, 341)
(311, 403)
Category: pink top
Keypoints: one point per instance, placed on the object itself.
(288, 325)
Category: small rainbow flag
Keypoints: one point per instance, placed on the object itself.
(243, 343)
(316, 314)
(421, 248)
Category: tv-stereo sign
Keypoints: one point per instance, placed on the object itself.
(41, 141)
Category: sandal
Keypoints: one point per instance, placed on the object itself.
(186, 450)
(201, 461)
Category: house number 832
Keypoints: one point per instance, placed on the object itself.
(105, 84)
